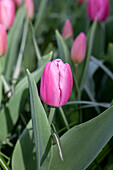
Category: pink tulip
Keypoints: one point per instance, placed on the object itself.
(29, 7)
(56, 83)
(3, 40)
(67, 30)
(98, 9)
(80, 1)
(7, 13)
(79, 48)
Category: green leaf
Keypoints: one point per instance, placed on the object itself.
(24, 154)
(3, 163)
(82, 143)
(63, 50)
(41, 127)
(102, 66)
(41, 12)
(14, 37)
(83, 67)
(9, 114)
(99, 41)
(109, 56)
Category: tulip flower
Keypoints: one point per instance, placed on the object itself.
(29, 7)
(7, 13)
(56, 83)
(80, 1)
(3, 40)
(78, 49)
(67, 30)
(98, 9)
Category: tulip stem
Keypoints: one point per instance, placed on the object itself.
(51, 115)
(78, 93)
(64, 118)
(77, 87)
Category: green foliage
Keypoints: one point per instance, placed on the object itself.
(32, 134)
(82, 143)
(41, 127)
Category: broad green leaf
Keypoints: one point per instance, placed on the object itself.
(9, 114)
(14, 37)
(41, 127)
(82, 143)
(24, 156)
(83, 67)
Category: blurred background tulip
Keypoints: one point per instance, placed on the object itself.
(98, 9)
(56, 83)
(79, 48)
(7, 13)
(30, 8)
(3, 40)
(67, 30)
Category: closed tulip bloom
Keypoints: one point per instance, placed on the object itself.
(67, 30)
(29, 7)
(78, 49)
(56, 83)
(3, 40)
(7, 13)
(98, 9)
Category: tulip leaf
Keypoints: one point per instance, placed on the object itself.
(9, 114)
(63, 50)
(82, 143)
(24, 155)
(41, 128)
(41, 12)
(83, 67)
(14, 37)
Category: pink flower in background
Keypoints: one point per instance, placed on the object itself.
(81, 1)
(3, 40)
(98, 9)
(29, 7)
(56, 83)
(67, 29)
(7, 13)
(78, 49)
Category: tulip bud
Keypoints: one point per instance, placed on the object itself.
(56, 83)
(30, 8)
(3, 40)
(7, 13)
(80, 1)
(98, 9)
(67, 30)
(79, 48)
